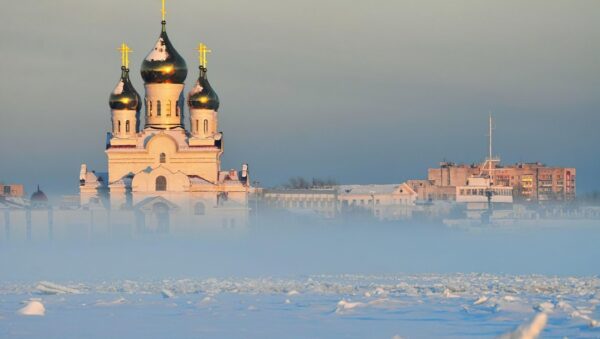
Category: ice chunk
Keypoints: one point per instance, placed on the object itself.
(118, 301)
(46, 287)
(448, 294)
(345, 306)
(546, 307)
(481, 300)
(530, 330)
(33, 307)
(579, 314)
(167, 294)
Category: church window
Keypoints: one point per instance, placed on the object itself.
(177, 108)
(197, 125)
(146, 106)
(163, 158)
(158, 108)
(150, 104)
(205, 126)
(127, 126)
(199, 208)
(119, 126)
(161, 184)
(169, 108)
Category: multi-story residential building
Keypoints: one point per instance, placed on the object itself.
(12, 190)
(529, 181)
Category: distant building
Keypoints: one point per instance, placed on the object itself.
(39, 200)
(384, 202)
(12, 190)
(528, 181)
(427, 190)
(320, 201)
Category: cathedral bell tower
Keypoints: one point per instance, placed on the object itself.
(125, 104)
(164, 72)
(203, 103)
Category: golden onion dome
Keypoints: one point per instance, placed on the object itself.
(124, 96)
(164, 65)
(202, 95)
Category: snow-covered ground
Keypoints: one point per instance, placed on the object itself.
(323, 306)
(291, 281)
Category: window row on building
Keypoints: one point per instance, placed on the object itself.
(157, 109)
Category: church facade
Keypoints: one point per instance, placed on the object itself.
(157, 168)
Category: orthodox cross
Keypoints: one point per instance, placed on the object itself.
(203, 51)
(125, 50)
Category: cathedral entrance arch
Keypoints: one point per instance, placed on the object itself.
(162, 217)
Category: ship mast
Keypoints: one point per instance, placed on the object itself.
(490, 149)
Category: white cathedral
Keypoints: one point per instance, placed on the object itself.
(162, 171)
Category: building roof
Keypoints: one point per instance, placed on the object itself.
(371, 189)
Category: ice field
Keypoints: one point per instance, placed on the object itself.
(312, 282)
(348, 306)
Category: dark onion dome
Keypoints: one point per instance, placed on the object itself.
(39, 196)
(164, 65)
(124, 96)
(202, 96)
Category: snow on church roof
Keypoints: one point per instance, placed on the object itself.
(197, 180)
(159, 52)
(368, 189)
(119, 89)
(196, 89)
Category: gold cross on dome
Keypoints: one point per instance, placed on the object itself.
(125, 50)
(203, 51)
(163, 11)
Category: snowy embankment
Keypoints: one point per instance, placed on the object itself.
(514, 306)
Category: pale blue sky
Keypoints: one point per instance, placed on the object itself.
(365, 92)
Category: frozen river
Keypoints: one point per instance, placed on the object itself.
(325, 281)
(346, 306)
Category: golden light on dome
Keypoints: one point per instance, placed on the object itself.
(125, 100)
(204, 100)
(167, 69)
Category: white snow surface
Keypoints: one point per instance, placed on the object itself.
(531, 330)
(353, 306)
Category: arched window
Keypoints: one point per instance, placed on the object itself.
(146, 106)
(127, 126)
(177, 108)
(161, 184)
(119, 126)
(205, 126)
(199, 208)
(197, 125)
(163, 158)
(158, 108)
(150, 104)
(169, 108)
